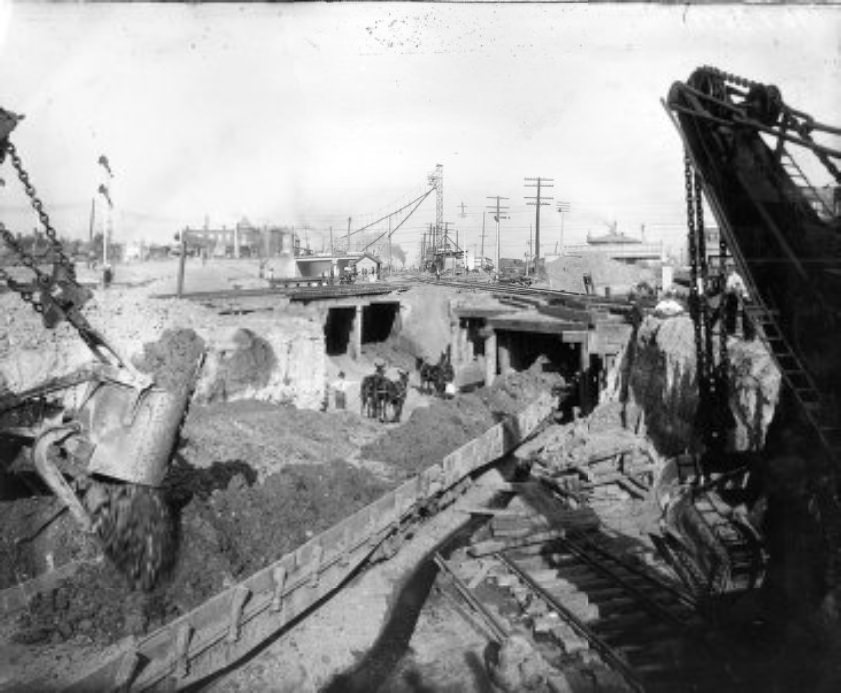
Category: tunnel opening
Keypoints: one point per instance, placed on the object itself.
(520, 350)
(337, 330)
(380, 321)
(475, 332)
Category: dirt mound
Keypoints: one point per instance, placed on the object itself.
(227, 533)
(657, 374)
(431, 433)
(567, 273)
(93, 606)
(270, 436)
(172, 359)
(36, 536)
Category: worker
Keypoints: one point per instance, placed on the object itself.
(340, 391)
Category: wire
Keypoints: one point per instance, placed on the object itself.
(419, 199)
(391, 233)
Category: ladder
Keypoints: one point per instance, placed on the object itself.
(810, 194)
(816, 409)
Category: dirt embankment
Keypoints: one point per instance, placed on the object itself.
(433, 432)
(253, 481)
(657, 375)
(567, 274)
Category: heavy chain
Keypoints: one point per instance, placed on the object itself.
(25, 291)
(730, 77)
(694, 297)
(704, 310)
(794, 122)
(38, 206)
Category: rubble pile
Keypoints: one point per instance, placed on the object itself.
(594, 459)
(656, 382)
(567, 274)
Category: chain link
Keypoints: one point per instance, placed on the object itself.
(42, 279)
(38, 206)
(694, 297)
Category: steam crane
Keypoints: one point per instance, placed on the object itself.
(747, 153)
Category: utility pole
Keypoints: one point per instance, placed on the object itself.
(529, 255)
(93, 217)
(348, 235)
(105, 191)
(540, 184)
(563, 208)
(498, 210)
(463, 214)
(482, 258)
(389, 245)
(332, 248)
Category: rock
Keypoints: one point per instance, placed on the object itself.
(516, 666)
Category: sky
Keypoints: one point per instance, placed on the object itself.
(306, 114)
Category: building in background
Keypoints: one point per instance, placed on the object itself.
(618, 246)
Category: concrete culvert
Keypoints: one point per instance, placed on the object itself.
(337, 330)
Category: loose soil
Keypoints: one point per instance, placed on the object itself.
(251, 482)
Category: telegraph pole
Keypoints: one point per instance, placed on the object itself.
(348, 235)
(389, 245)
(498, 210)
(529, 255)
(93, 217)
(540, 184)
(482, 257)
(105, 190)
(563, 208)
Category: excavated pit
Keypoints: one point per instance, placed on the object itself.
(259, 469)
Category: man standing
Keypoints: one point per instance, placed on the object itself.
(340, 389)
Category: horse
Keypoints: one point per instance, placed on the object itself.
(378, 393)
(435, 377)
(395, 395)
(445, 374)
(427, 373)
(368, 389)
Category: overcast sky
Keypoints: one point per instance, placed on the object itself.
(309, 113)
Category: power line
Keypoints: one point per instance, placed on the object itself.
(539, 183)
(499, 209)
(403, 221)
(383, 218)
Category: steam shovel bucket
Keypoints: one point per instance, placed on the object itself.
(133, 431)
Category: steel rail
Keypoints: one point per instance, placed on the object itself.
(639, 595)
(606, 651)
(679, 594)
(465, 592)
(588, 300)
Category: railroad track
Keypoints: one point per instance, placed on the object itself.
(591, 608)
(571, 298)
